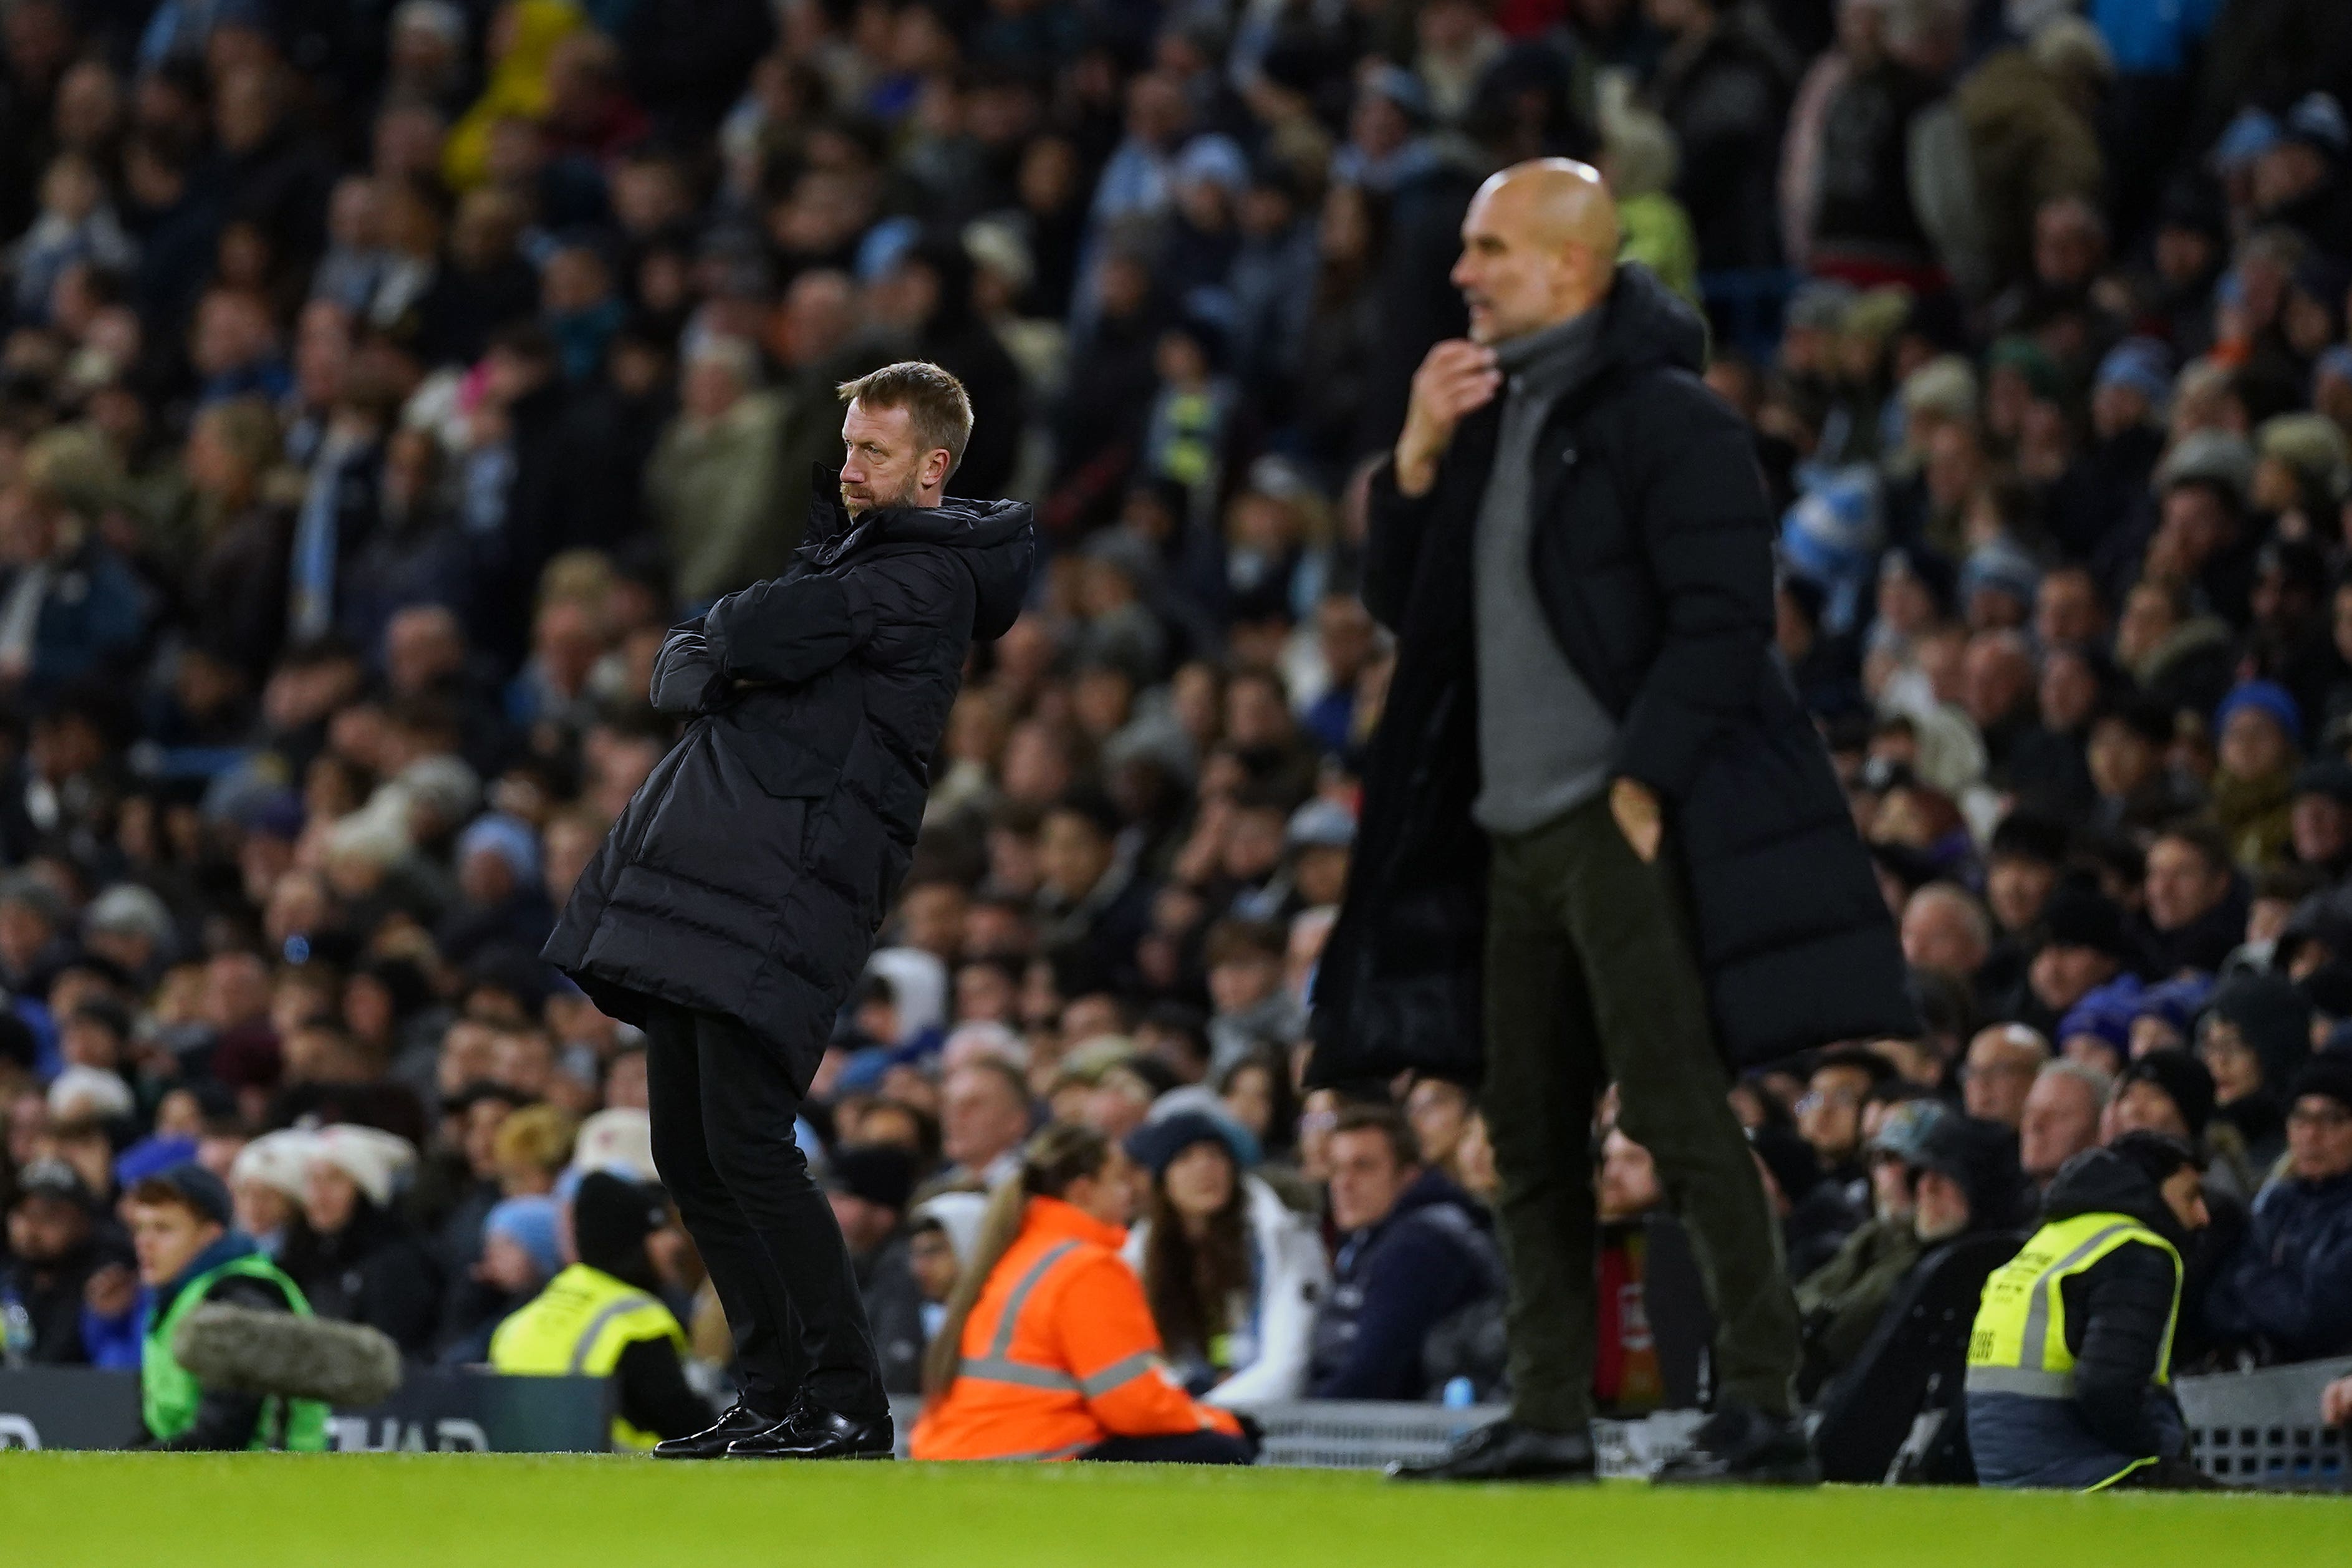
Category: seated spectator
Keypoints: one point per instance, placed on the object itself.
(1437, 1111)
(2069, 1366)
(355, 1259)
(267, 1182)
(1814, 1213)
(1415, 1250)
(940, 1234)
(1047, 1350)
(2165, 1092)
(1829, 1116)
(603, 1316)
(1968, 1181)
(2096, 1031)
(521, 1252)
(2288, 1296)
(2000, 1072)
(2196, 900)
(1232, 1274)
(984, 1114)
(2261, 744)
(869, 1184)
(189, 1257)
(1245, 963)
(56, 1239)
(1839, 1304)
(2085, 945)
(2252, 1039)
(2060, 1118)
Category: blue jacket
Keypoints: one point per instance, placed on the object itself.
(2290, 1286)
(1395, 1282)
(91, 611)
(2153, 37)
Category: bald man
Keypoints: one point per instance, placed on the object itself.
(1601, 841)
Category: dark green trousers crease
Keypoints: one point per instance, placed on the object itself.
(1591, 977)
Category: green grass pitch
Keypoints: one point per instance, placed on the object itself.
(426, 1510)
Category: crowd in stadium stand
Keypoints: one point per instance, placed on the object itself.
(380, 380)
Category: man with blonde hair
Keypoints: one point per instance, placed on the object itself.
(735, 901)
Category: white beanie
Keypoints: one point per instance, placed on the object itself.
(280, 1160)
(89, 1092)
(373, 1158)
(620, 1141)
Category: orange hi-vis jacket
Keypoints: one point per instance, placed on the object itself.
(1060, 1353)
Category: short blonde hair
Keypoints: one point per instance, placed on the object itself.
(934, 403)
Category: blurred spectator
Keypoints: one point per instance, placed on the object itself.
(2087, 1404)
(1414, 1251)
(2061, 1116)
(1047, 1348)
(869, 1184)
(355, 1257)
(601, 1317)
(2285, 1296)
(1233, 1276)
(56, 1239)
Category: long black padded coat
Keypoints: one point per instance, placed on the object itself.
(1652, 555)
(750, 871)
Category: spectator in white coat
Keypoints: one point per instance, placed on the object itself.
(1232, 1274)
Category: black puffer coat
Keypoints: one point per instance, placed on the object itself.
(1652, 556)
(750, 872)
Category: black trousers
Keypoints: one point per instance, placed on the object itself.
(722, 1132)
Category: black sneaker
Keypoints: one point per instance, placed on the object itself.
(1506, 1451)
(711, 1442)
(1738, 1446)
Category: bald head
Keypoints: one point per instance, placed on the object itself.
(1538, 246)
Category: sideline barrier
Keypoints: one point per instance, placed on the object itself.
(435, 1412)
(2256, 1428)
(2262, 1429)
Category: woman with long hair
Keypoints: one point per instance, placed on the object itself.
(1232, 1274)
(1048, 1351)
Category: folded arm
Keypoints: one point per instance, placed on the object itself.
(687, 682)
(789, 629)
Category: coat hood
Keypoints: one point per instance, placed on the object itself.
(1645, 324)
(997, 540)
(1431, 1190)
(2100, 1181)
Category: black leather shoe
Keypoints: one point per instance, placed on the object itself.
(1738, 1446)
(809, 1433)
(711, 1442)
(1506, 1451)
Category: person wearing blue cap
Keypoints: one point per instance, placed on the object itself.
(2259, 730)
(502, 895)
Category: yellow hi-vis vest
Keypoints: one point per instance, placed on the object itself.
(579, 1326)
(2019, 1345)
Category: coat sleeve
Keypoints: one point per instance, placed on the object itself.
(1705, 530)
(1111, 1346)
(2126, 1300)
(1296, 1280)
(687, 682)
(1398, 525)
(793, 629)
(1416, 1278)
